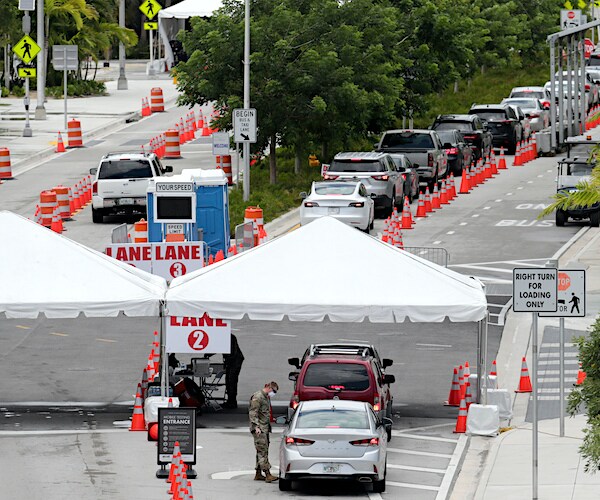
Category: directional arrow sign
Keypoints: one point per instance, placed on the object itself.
(150, 8)
(244, 125)
(26, 49)
(150, 26)
(27, 72)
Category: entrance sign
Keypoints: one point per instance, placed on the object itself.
(198, 335)
(535, 289)
(150, 8)
(220, 143)
(571, 294)
(244, 125)
(26, 49)
(176, 424)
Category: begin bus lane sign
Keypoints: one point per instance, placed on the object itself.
(571, 294)
(244, 125)
(535, 289)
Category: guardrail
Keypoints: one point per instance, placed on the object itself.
(439, 256)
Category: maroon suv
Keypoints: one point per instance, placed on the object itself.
(340, 371)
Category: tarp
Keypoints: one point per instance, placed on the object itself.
(44, 272)
(327, 269)
(172, 19)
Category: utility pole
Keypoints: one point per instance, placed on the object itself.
(246, 145)
(122, 81)
(40, 110)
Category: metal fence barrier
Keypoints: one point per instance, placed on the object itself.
(439, 256)
(244, 236)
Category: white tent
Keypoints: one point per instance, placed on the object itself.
(43, 272)
(327, 268)
(172, 19)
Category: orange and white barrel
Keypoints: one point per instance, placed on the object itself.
(140, 231)
(157, 104)
(5, 167)
(172, 149)
(226, 166)
(74, 134)
(254, 215)
(62, 199)
(47, 205)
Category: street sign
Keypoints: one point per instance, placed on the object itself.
(588, 48)
(26, 49)
(176, 424)
(220, 143)
(65, 57)
(150, 26)
(535, 289)
(198, 335)
(570, 18)
(571, 294)
(244, 125)
(26, 4)
(27, 72)
(150, 8)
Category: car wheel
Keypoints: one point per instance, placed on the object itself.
(595, 219)
(372, 224)
(379, 486)
(561, 218)
(97, 216)
(367, 229)
(284, 484)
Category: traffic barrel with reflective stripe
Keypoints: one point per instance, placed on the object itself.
(74, 134)
(172, 149)
(254, 215)
(5, 166)
(47, 205)
(62, 200)
(226, 166)
(157, 104)
(140, 230)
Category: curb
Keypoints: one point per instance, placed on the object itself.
(286, 220)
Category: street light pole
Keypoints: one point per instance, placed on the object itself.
(246, 145)
(122, 81)
(40, 110)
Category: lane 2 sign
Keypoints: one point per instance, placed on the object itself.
(203, 335)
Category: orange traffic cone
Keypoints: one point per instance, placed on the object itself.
(435, 199)
(60, 145)
(174, 461)
(518, 160)
(428, 207)
(461, 381)
(137, 421)
(211, 259)
(468, 396)
(494, 372)
(464, 182)
(493, 163)
(534, 151)
(407, 221)
(452, 192)
(461, 421)
(397, 239)
(56, 225)
(219, 256)
(454, 395)
(580, 376)
(525, 381)
(386, 231)
(444, 194)
(502, 160)
(467, 370)
(421, 212)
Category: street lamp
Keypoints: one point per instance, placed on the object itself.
(246, 145)
(122, 81)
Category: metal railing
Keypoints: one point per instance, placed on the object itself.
(439, 256)
(244, 236)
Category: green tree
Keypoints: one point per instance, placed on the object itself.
(588, 395)
(10, 29)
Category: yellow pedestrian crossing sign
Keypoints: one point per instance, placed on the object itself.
(150, 8)
(27, 72)
(26, 49)
(150, 26)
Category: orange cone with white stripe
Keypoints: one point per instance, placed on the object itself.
(137, 421)
(57, 225)
(524, 381)
(428, 207)
(518, 161)
(461, 421)
(435, 199)
(468, 396)
(464, 182)
(60, 145)
(502, 160)
(454, 395)
(421, 208)
(174, 461)
(452, 191)
(407, 221)
(444, 194)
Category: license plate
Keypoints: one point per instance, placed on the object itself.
(331, 468)
(334, 210)
(125, 201)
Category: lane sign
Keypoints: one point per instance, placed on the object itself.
(535, 289)
(204, 335)
(26, 49)
(244, 125)
(151, 26)
(150, 8)
(571, 294)
(27, 73)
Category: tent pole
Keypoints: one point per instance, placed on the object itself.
(164, 384)
(479, 360)
(484, 348)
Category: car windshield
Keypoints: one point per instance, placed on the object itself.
(339, 189)
(125, 169)
(407, 140)
(524, 103)
(528, 93)
(356, 165)
(581, 169)
(462, 126)
(447, 136)
(337, 376)
(594, 75)
(332, 418)
(490, 114)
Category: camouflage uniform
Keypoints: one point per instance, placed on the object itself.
(259, 414)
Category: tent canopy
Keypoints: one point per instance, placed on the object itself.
(43, 272)
(327, 269)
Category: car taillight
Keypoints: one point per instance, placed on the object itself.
(94, 188)
(365, 442)
(295, 401)
(534, 115)
(587, 86)
(357, 204)
(328, 177)
(336, 387)
(376, 403)
(310, 204)
(470, 136)
(298, 441)
(404, 176)
(381, 177)
(429, 160)
(546, 103)
(452, 151)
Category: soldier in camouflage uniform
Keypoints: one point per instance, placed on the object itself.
(260, 427)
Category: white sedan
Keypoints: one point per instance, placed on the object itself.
(347, 201)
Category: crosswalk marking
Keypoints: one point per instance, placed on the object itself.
(428, 438)
(416, 469)
(420, 453)
(413, 486)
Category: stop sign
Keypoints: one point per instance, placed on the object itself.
(571, 14)
(588, 48)
(564, 282)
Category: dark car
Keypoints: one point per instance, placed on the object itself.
(343, 371)
(459, 152)
(502, 122)
(409, 174)
(473, 130)
(572, 171)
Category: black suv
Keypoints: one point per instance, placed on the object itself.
(503, 122)
(474, 132)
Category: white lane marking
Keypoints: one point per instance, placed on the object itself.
(451, 469)
(509, 194)
(437, 242)
(235, 329)
(374, 496)
(541, 175)
(476, 215)
(463, 224)
(234, 473)
(283, 335)
(22, 327)
(557, 361)
(429, 438)
(416, 469)
(485, 268)
(59, 334)
(409, 485)
(486, 208)
(198, 447)
(549, 171)
(498, 201)
(529, 182)
(420, 453)
(106, 340)
(450, 232)
(434, 345)
(426, 427)
(520, 187)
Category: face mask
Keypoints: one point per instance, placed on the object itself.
(271, 394)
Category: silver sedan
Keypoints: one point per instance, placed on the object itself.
(539, 117)
(334, 439)
(347, 201)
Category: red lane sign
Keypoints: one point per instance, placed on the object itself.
(194, 335)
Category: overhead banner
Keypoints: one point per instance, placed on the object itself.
(204, 335)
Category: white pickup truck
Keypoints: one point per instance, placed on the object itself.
(121, 183)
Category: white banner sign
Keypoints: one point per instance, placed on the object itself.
(168, 260)
(203, 335)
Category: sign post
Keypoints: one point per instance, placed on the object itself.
(150, 8)
(65, 57)
(535, 291)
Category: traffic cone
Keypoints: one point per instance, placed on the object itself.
(534, 151)
(525, 381)
(580, 376)
(444, 194)
(468, 396)
(190, 493)
(174, 461)
(452, 192)
(386, 231)
(56, 225)
(487, 169)
(144, 385)
(517, 162)
(219, 256)
(421, 208)
(428, 207)
(176, 477)
(137, 421)
(467, 370)
(77, 196)
(150, 367)
(493, 163)
(502, 160)
(454, 395)
(60, 145)
(435, 199)
(407, 221)
(397, 239)
(464, 182)
(494, 372)
(461, 421)
(211, 259)
(461, 381)
(200, 121)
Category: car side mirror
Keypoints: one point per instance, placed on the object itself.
(93, 171)
(376, 145)
(373, 195)
(400, 169)
(387, 362)
(294, 362)
(389, 379)
(168, 169)
(281, 420)
(303, 195)
(293, 376)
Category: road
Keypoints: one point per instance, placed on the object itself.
(53, 364)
